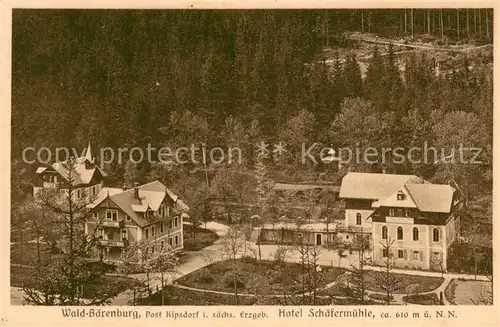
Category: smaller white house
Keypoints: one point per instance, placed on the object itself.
(419, 219)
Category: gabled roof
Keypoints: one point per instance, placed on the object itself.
(151, 195)
(392, 200)
(384, 188)
(83, 172)
(432, 197)
(103, 194)
(40, 170)
(372, 186)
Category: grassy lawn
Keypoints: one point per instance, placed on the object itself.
(254, 276)
(178, 296)
(424, 299)
(426, 283)
(464, 292)
(20, 276)
(29, 255)
(341, 288)
(202, 239)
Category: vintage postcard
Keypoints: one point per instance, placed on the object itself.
(271, 164)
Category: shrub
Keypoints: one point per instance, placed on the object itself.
(381, 297)
(206, 279)
(425, 299)
(231, 283)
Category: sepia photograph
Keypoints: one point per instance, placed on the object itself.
(251, 157)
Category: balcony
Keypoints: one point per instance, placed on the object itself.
(113, 223)
(114, 243)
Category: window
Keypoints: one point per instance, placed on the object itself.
(401, 254)
(127, 217)
(170, 241)
(347, 237)
(384, 232)
(124, 234)
(161, 228)
(391, 212)
(62, 191)
(176, 222)
(400, 233)
(100, 233)
(415, 233)
(401, 195)
(358, 219)
(78, 193)
(160, 211)
(147, 232)
(384, 253)
(416, 255)
(95, 215)
(176, 239)
(170, 224)
(93, 190)
(162, 245)
(407, 212)
(153, 249)
(152, 231)
(435, 235)
(399, 212)
(112, 214)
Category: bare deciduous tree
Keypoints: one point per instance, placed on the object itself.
(385, 279)
(232, 244)
(359, 273)
(72, 265)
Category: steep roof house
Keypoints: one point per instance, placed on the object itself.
(149, 212)
(87, 178)
(420, 217)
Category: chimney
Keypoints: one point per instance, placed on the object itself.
(136, 190)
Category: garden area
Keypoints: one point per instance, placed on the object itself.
(254, 276)
(26, 276)
(425, 283)
(197, 238)
(422, 299)
(179, 296)
(468, 292)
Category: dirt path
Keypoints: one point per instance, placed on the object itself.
(414, 46)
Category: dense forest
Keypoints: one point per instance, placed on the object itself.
(129, 78)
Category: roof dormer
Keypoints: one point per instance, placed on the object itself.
(400, 195)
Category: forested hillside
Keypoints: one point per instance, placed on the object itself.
(118, 78)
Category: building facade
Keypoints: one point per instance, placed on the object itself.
(149, 213)
(85, 177)
(118, 216)
(411, 221)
